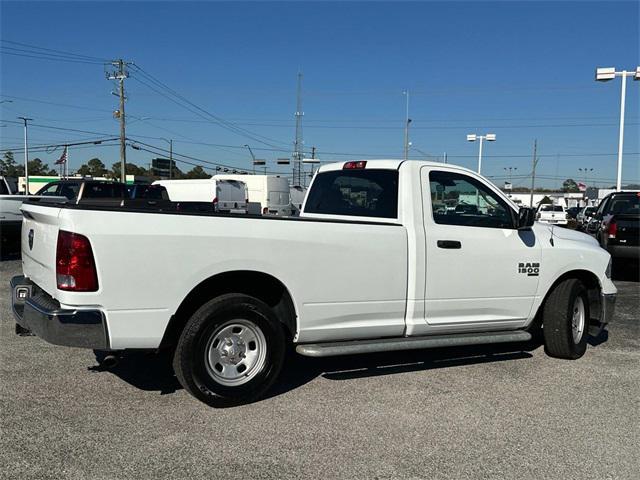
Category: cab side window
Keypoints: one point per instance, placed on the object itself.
(458, 199)
(49, 190)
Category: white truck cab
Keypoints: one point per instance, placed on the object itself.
(386, 255)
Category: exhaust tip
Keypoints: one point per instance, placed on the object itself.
(110, 361)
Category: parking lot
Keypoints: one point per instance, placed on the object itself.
(489, 412)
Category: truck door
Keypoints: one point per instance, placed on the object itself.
(480, 270)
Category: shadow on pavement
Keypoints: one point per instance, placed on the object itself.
(153, 372)
(625, 270)
(9, 250)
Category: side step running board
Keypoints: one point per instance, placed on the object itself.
(409, 343)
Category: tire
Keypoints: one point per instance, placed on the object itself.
(565, 321)
(230, 351)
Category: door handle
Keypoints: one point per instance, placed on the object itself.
(449, 244)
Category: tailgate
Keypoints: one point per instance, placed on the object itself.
(39, 241)
(628, 232)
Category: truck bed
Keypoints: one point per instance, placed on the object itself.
(148, 260)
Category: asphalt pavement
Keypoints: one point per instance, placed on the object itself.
(490, 412)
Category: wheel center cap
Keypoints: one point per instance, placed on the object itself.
(232, 349)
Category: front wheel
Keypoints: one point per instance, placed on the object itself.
(565, 322)
(230, 351)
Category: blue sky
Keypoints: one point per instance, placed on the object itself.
(521, 70)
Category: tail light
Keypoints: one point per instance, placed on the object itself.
(265, 210)
(354, 165)
(215, 200)
(612, 229)
(75, 267)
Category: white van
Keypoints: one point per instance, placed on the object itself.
(227, 195)
(271, 191)
(297, 199)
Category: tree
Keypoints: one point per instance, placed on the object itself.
(8, 166)
(130, 169)
(36, 167)
(570, 186)
(93, 168)
(196, 172)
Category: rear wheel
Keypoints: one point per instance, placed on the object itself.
(230, 351)
(566, 320)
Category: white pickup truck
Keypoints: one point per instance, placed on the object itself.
(380, 260)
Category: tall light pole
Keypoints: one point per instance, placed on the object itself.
(604, 75)
(509, 169)
(170, 142)
(585, 171)
(26, 155)
(489, 137)
(407, 121)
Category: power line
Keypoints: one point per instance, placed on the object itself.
(164, 151)
(71, 54)
(220, 121)
(4, 51)
(72, 143)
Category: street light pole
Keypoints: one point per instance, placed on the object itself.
(26, 155)
(623, 94)
(490, 137)
(606, 74)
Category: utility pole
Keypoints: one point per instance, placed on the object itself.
(407, 121)
(170, 157)
(533, 170)
(119, 74)
(26, 155)
(313, 157)
(298, 150)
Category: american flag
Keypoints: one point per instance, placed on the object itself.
(63, 157)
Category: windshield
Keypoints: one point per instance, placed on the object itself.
(551, 208)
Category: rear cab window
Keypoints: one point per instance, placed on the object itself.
(369, 193)
(104, 190)
(624, 204)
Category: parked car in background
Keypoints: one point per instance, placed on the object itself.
(616, 224)
(584, 216)
(149, 192)
(572, 212)
(8, 186)
(270, 191)
(553, 214)
(86, 190)
(374, 263)
(227, 196)
(10, 214)
(297, 194)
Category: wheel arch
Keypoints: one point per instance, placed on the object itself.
(588, 278)
(260, 285)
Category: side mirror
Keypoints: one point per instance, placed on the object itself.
(526, 217)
